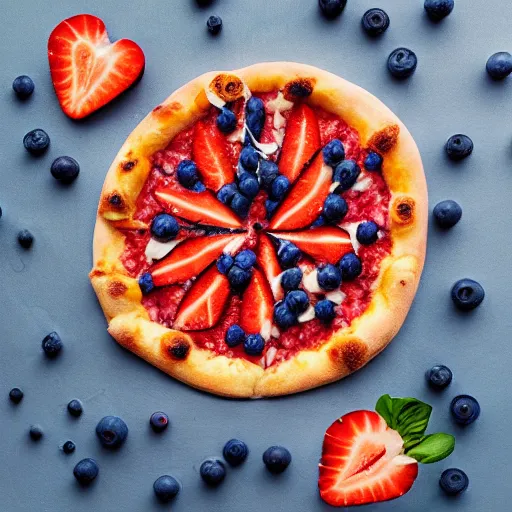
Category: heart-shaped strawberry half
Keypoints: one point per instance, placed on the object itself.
(87, 69)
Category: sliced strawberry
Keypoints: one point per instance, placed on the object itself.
(87, 69)
(211, 157)
(257, 306)
(201, 207)
(305, 200)
(266, 257)
(301, 141)
(362, 462)
(324, 244)
(204, 303)
(191, 257)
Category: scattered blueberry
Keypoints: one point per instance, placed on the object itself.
(283, 317)
(68, 447)
(36, 432)
(335, 208)
(350, 266)
(268, 173)
(329, 277)
(402, 63)
(255, 117)
(320, 221)
(212, 472)
(75, 408)
(249, 185)
(238, 277)
(146, 283)
(271, 207)
(235, 335)
(297, 301)
(367, 232)
(86, 471)
(499, 65)
(159, 421)
(16, 395)
(438, 9)
(439, 376)
(324, 310)
(65, 169)
(226, 120)
(279, 187)
(346, 174)
(245, 259)
(240, 204)
(235, 452)
(249, 158)
(214, 24)
(36, 142)
(458, 147)
(166, 488)
(375, 22)
(332, 8)
(373, 162)
(23, 86)
(291, 279)
(198, 187)
(453, 481)
(164, 227)
(227, 192)
(333, 152)
(447, 213)
(187, 174)
(112, 431)
(465, 409)
(52, 345)
(277, 459)
(467, 294)
(288, 254)
(224, 263)
(25, 238)
(254, 344)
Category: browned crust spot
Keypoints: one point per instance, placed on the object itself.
(385, 140)
(128, 165)
(175, 347)
(127, 340)
(403, 210)
(163, 112)
(114, 199)
(353, 353)
(228, 87)
(116, 289)
(299, 88)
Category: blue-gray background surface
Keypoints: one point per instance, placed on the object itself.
(47, 288)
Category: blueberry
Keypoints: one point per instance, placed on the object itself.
(16, 395)
(277, 459)
(238, 277)
(159, 421)
(332, 8)
(324, 311)
(333, 152)
(467, 294)
(297, 301)
(198, 187)
(254, 344)
(249, 158)
(373, 162)
(213, 472)
(240, 204)
(453, 481)
(375, 22)
(75, 408)
(224, 263)
(249, 185)
(65, 169)
(214, 24)
(291, 279)
(187, 174)
(465, 409)
(235, 452)
(245, 259)
(335, 208)
(227, 192)
(25, 238)
(255, 117)
(68, 447)
(23, 86)
(458, 147)
(271, 207)
(36, 142)
(226, 120)
(146, 283)
(438, 9)
(329, 277)
(367, 232)
(268, 173)
(288, 254)
(164, 227)
(235, 335)
(112, 431)
(499, 65)
(439, 376)
(283, 317)
(346, 174)
(52, 345)
(86, 471)
(350, 266)
(166, 488)
(447, 213)
(36, 432)
(402, 63)
(279, 187)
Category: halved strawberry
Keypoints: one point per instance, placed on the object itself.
(190, 258)
(301, 141)
(266, 257)
(305, 200)
(257, 306)
(324, 244)
(87, 69)
(210, 155)
(201, 207)
(204, 303)
(362, 462)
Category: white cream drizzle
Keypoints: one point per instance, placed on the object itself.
(308, 315)
(156, 250)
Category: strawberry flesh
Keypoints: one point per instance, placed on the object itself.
(266, 258)
(257, 306)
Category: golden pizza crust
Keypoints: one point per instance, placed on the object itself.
(348, 349)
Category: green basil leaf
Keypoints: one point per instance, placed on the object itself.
(385, 408)
(432, 448)
(411, 442)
